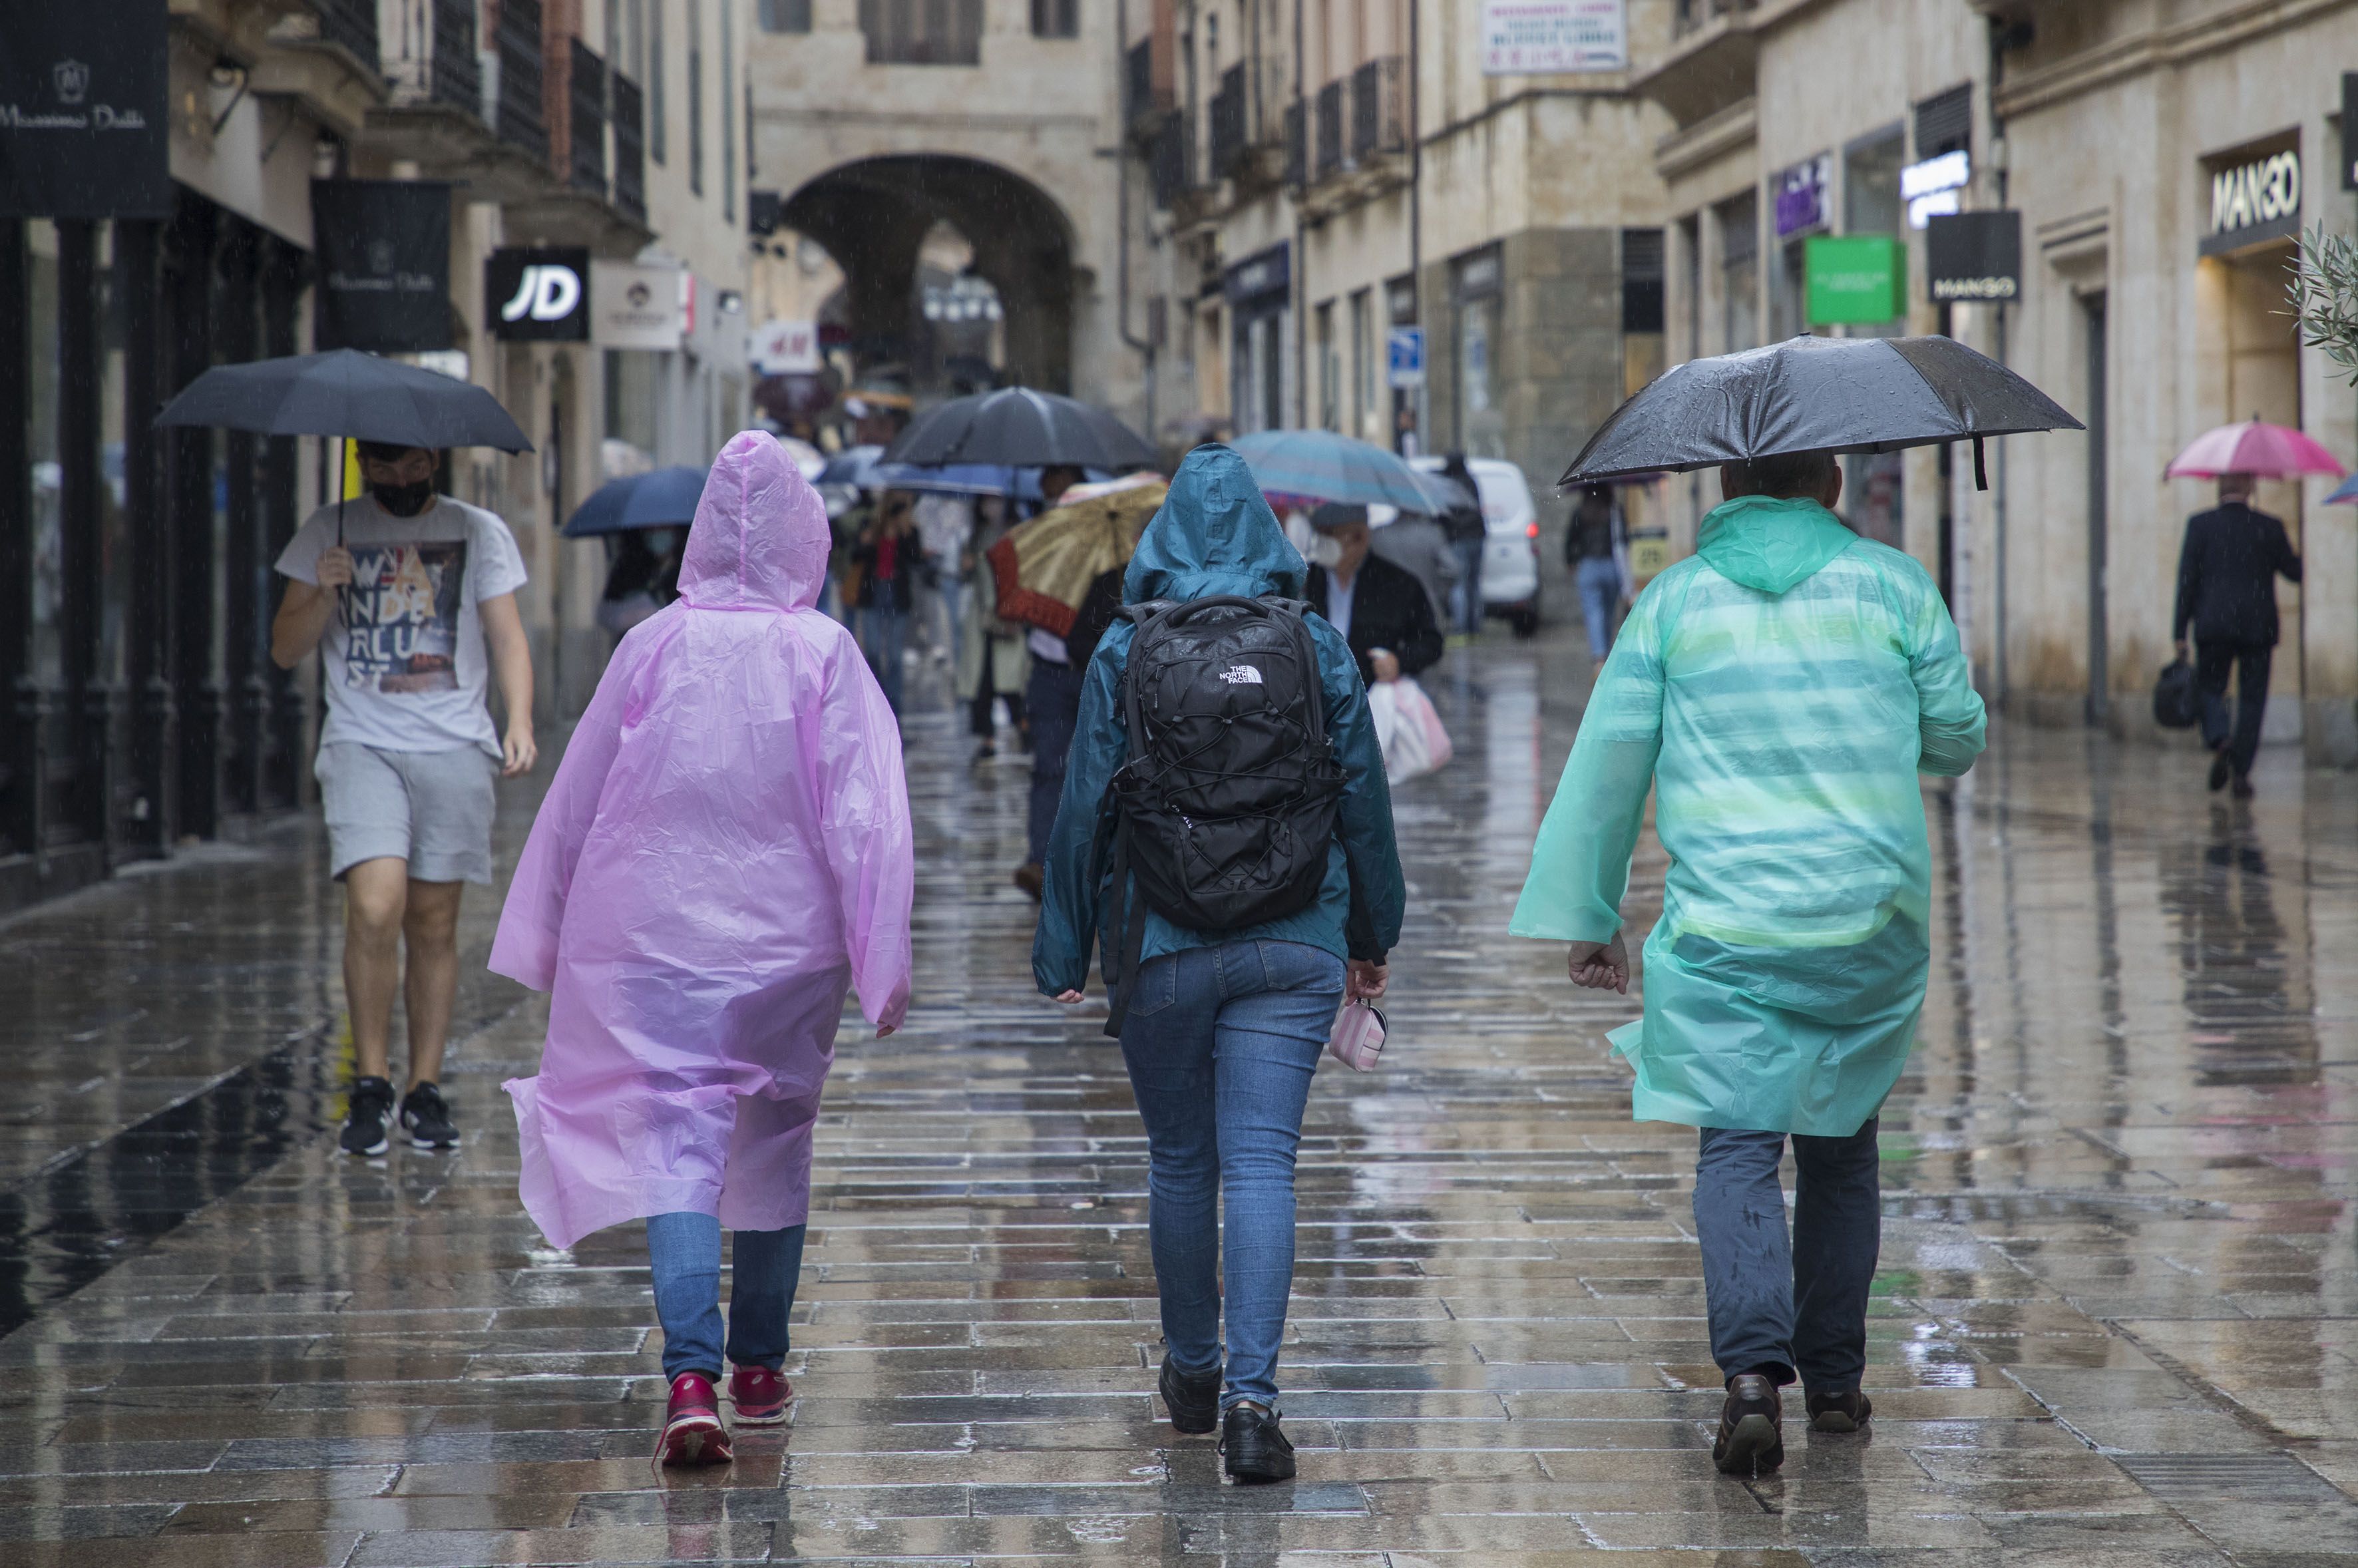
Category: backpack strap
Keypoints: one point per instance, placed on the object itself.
(1124, 947)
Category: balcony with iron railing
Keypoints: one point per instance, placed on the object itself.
(586, 121)
(1297, 144)
(1331, 150)
(1711, 63)
(521, 115)
(1691, 15)
(1378, 108)
(433, 60)
(630, 148)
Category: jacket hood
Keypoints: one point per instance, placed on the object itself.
(1770, 545)
(759, 540)
(1214, 534)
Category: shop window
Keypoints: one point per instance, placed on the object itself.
(1739, 272)
(1363, 365)
(923, 32)
(1476, 287)
(1642, 307)
(1871, 184)
(1330, 371)
(1055, 18)
(786, 15)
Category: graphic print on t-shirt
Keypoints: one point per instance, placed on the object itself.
(402, 631)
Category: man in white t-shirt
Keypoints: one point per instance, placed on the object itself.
(410, 597)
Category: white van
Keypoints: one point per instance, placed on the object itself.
(1510, 548)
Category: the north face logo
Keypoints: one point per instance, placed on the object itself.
(1241, 674)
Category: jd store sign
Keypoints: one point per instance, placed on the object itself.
(540, 295)
(2254, 198)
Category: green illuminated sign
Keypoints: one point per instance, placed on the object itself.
(1855, 278)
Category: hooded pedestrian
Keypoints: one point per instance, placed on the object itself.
(2227, 597)
(1779, 691)
(725, 853)
(1221, 1026)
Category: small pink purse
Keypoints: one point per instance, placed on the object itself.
(1357, 1040)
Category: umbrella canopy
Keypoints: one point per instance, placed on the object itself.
(346, 393)
(665, 498)
(1020, 428)
(1044, 567)
(1319, 465)
(2346, 492)
(1813, 395)
(2255, 447)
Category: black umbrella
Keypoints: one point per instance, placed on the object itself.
(349, 393)
(1815, 394)
(1020, 428)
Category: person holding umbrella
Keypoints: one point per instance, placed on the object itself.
(409, 596)
(2227, 568)
(1778, 693)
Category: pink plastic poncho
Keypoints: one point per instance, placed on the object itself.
(724, 853)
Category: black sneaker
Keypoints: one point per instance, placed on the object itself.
(1751, 1442)
(1253, 1447)
(1844, 1410)
(2222, 768)
(372, 1108)
(426, 1119)
(1193, 1398)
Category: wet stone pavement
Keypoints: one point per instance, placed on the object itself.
(2116, 1321)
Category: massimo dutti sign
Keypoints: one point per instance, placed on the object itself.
(384, 248)
(2255, 197)
(83, 90)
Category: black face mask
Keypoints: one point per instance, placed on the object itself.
(403, 499)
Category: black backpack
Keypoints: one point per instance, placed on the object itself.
(1228, 804)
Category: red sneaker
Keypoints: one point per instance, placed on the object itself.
(692, 1433)
(760, 1395)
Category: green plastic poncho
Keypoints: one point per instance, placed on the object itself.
(1780, 690)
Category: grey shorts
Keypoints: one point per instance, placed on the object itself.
(432, 809)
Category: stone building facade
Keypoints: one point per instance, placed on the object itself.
(2105, 125)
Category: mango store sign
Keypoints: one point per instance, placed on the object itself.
(2254, 199)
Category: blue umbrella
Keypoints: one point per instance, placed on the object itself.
(664, 499)
(2346, 490)
(1318, 465)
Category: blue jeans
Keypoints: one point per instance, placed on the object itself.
(1599, 581)
(1221, 1044)
(1465, 594)
(684, 1251)
(1054, 704)
(882, 632)
(1780, 1306)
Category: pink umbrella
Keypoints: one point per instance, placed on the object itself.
(2254, 447)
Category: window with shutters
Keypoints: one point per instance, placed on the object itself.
(1055, 18)
(923, 32)
(786, 15)
(1944, 122)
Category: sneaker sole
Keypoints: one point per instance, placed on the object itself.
(379, 1147)
(1754, 1446)
(1192, 1427)
(1834, 1421)
(763, 1418)
(695, 1442)
(418, 1142)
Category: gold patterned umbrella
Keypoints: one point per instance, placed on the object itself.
(1044, 567)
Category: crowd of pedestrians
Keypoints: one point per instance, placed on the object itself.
(725, 856)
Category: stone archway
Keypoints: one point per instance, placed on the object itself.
(873, 216)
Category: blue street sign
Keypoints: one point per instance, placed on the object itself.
(1407, 356)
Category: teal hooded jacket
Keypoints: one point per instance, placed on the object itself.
(1780, 692)
(1215, 535)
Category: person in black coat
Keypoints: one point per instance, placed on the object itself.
(2227, 594)
(1381, 610)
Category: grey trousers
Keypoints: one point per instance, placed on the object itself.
(1783, 1305)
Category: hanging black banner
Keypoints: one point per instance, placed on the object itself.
(384, 263)
(83, 90)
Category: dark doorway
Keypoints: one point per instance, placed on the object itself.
(2099, 544)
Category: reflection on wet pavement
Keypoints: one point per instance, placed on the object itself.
(2116, 1321)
